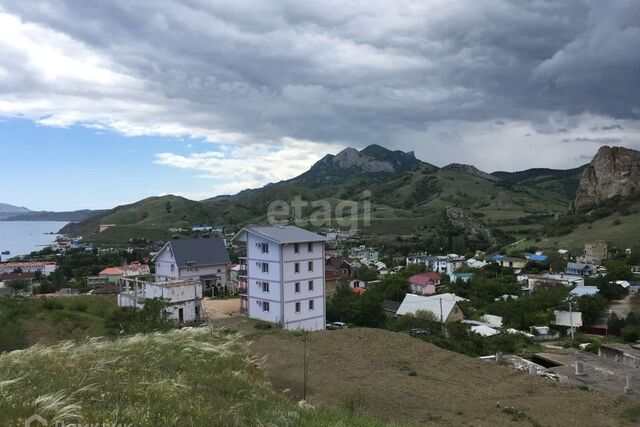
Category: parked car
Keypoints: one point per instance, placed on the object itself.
(336, 325)
(417, 331)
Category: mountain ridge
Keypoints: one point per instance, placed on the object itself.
(407, 195)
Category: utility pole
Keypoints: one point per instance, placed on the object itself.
(571, 320)
(304, 389)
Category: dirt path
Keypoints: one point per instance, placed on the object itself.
(397, 378)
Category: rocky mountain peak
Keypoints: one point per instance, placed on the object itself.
(350, 158)
(471, 170)
(614, 171)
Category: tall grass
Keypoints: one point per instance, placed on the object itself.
(188, 377)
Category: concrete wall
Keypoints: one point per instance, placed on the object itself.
(163, 262)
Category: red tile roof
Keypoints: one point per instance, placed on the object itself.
(17, 264)
(424, 278)
(17, 276)
(359, 291)
(111, 271)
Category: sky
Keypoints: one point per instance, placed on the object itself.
(105, 103)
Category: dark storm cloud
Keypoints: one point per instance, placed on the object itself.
(357, 72)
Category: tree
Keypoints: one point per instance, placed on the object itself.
(592, 308)
(343, 305)
(366, 274)
(617, 270)
(129, 320)
(19, 286)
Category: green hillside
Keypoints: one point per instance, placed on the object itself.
(407, 196)
(150, 219)
(617, 222)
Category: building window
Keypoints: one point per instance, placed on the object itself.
(265, 267)
(310, 285)
(296, 267)
(310, 305)
(265, 305)
(173, 268)
(310, 266)
(296, 248)
(265, 287)
(297, 307)
(264, 247)
(310, 247)
(296, 287)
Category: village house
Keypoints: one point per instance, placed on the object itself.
(182, 297)
(424, 283)
(339, 266)
(446, 264)
(285, 276)
(580, 269)
(6, 280)
(594, 252)
(364, 254)
(203, 259)
(43, 267)
(330, 283)
(445, 308)
(510, 262)
(114, 274)
(463, 277)
(535, 280)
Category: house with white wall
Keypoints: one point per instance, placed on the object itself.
(285, 276)
(204, 259)
(446, 264)
(182, 297)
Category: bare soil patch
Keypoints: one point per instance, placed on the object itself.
(221, 308)
(401, 379)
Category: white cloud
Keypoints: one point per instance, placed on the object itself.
(261, 77)
(249, 166)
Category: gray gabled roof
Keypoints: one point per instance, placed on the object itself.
(199, 251)
(284, 234)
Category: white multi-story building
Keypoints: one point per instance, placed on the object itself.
(284, 276)
(46, 267)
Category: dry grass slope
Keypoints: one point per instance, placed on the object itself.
(190, 377)
(398, 378)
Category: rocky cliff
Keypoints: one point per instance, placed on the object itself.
(614, 171)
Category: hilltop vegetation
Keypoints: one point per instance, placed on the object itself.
(407, 196)
(192, 377)
(149, 219)
(28, 321)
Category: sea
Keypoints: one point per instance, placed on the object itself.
(24, 237)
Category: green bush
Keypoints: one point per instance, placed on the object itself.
(79, 305)
(631, 333)
(51, 304)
